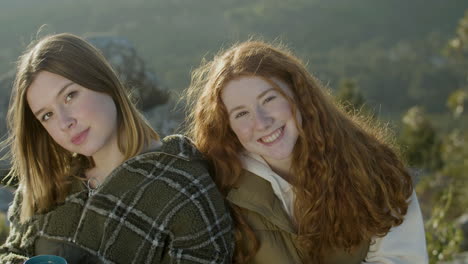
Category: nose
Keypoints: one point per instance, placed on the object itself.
(263, 120)
(66, 121)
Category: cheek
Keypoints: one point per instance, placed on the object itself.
(106, 109)
(285, 110)
(55, 134)
(285, 113)
(242, 130)
(89, 109)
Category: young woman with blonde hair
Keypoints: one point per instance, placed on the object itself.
(307, 182)
(96, 184)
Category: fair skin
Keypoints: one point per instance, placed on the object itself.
(262, 120)
(78, 119)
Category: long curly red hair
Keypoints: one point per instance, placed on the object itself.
(350, 184)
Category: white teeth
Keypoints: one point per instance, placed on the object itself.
(272, 137)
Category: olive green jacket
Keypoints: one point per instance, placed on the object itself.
(272, 226)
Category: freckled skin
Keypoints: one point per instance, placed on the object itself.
(256, 112)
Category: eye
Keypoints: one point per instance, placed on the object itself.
(269, 98)
(70, 96)
(46, 116)
(240, 114)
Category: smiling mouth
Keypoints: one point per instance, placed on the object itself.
(273, 136)
(80, 138)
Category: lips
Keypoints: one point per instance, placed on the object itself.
(273, 137)
(80, 138)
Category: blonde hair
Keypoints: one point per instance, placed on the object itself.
(42, 167)
(349, 183)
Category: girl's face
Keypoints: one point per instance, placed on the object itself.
(261, 117)
(78, 119)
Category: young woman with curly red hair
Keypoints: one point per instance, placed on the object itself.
(307, 182)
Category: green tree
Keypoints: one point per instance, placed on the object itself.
(443, 237)
(419, 140)
(459, 44)
(351, 96)
(447, 189)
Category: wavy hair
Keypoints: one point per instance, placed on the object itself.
(350, 184)
(42, 167)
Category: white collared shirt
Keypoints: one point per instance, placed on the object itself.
(404, 244)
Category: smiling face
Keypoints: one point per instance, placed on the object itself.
(262, 119)
(78, 119)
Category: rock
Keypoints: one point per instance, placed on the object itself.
(132, 70)
(166, 119)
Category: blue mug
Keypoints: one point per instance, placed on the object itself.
(46, 259)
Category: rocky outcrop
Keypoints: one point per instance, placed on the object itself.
(166, 119)
(132, 70)
(144, 84)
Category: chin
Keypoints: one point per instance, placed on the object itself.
(278, 157)
(87, 153)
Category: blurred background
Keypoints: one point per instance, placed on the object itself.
(403, 62)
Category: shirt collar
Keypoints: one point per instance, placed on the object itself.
(257, 165)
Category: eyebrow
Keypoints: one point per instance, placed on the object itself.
(258, 96)
(56, 96)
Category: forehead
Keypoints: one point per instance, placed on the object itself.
(248, 88)
(44, 88)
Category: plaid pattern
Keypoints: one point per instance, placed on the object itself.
(158, 207)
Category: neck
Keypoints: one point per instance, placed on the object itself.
(104, 165)
(106, 161)
(282, 168)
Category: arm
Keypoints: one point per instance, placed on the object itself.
(14, 251)
(404, 244)
(201, 227)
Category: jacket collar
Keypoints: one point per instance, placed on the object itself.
(256, 194)
(177, 146)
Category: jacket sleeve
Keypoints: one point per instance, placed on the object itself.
(13, 250)
(201, 226)
(404, 244)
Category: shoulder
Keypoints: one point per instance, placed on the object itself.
(15, 206)
(176, 157)
(178, 176)
(259, 205)
(180, 146)
(251, 189)
(174, 169)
